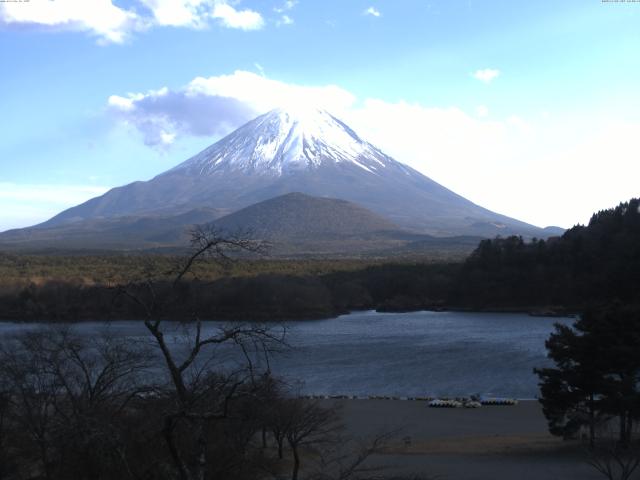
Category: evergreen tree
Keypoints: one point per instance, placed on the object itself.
(570, 393)
(597, 372)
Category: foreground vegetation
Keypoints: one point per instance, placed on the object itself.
(593, 391)
(72, 407)
(597, 374)
(113, 408)
(103, 408)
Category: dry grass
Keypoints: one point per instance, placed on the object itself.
(483, 445)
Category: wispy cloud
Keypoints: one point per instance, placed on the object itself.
(373, 12)
(173, 13)
(232, 18)
(486, 75)
(100, 18)
(284, 17)
(285, 20)
(482, 111)
(28, 204)
(163, 115)
(286, 6)
(214, 106)
(260, 68)
(111, 23)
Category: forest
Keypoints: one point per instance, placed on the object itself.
(590, 264)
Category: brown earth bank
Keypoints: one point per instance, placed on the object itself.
(491, 442)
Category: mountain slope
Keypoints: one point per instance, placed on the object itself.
(294, 224)
(119, 233)
(310, 152)
(300, 217)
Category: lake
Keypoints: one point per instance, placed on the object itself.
(399, 354)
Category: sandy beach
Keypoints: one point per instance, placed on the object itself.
(491, 442)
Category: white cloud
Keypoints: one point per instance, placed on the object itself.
(597, 167)
(551, 173)
(101, 18)
(285, 20)
(263, 94)
(447, 144)
(179, 13)
(232, 18)
(260, 68)
(125, 104)
(373, 12)
(196, 14)
(549, 170)
(286, 6)
(162, 115)
(486, 75)
(167, 138)
(113, 24)
(482, 111)
(214, 106)
(58, 194)
(24, 205)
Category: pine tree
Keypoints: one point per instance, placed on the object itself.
(597, 372)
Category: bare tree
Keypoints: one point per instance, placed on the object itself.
(32, 398)
(65, 396)
(308, 424)
(615, 462)
(314, 430)
(348, 459)
(5, 461)
(199, 397)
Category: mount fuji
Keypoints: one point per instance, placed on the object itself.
(286, 151)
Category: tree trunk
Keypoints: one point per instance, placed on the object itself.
(173, 450)
(592, 422)
(264, 437)
(44, 455)
(280, 453)
(201, 457)
(623, 428)
(296, 462)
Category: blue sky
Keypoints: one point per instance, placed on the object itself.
(528, 108)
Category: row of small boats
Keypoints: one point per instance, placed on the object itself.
(470, 403)
(460, 402)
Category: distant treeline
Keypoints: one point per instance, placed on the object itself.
(588, 264)
(263, 297)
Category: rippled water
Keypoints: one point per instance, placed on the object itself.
(407, 354)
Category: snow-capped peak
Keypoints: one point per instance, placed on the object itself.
(285, 140)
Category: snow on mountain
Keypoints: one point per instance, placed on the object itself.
(282, 141)
(302, 150)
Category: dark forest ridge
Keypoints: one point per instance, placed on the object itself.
(587, 265)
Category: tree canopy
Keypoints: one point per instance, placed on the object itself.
(597, 372)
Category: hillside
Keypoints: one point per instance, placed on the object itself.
(117, 233)
(300, 217)
(294, 224)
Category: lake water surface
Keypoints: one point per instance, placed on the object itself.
(401, 354)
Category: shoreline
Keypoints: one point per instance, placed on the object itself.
(419, 398)
(531, 312)
(496, 442)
